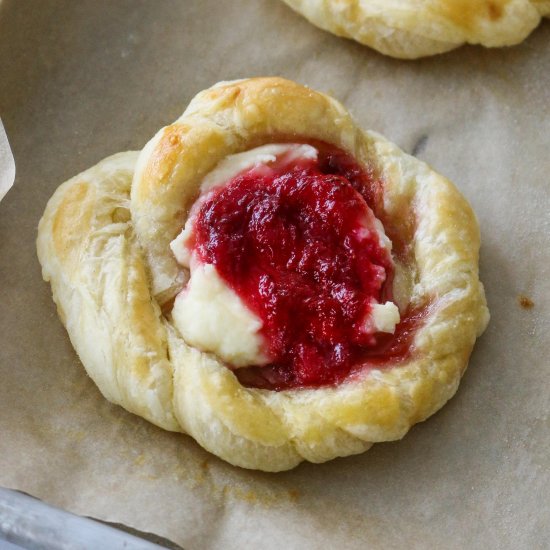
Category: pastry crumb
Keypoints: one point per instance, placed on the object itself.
(139, 460)
(294, 494)
(525, 302)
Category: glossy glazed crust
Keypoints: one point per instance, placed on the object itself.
(409, 29)
(109, 293)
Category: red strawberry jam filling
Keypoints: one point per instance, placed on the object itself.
(296, 240)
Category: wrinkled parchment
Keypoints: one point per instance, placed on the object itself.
(82, 80)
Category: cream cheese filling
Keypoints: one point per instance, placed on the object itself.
(208, 313)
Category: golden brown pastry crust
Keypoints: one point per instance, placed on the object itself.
(409, 29)
(89, 253)
(109, 293)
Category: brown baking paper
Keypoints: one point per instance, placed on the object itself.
(82, 80)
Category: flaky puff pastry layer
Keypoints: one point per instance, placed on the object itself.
(409, 29)
(103, 244)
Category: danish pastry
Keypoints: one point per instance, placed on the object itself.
(409, 29)
(268, 278)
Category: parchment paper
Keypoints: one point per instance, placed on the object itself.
(81, 80)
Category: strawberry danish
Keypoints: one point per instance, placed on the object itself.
(268, 278)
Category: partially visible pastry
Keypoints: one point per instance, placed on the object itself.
(274, 281)
(409, 29)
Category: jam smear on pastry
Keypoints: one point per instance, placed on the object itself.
(297, 241)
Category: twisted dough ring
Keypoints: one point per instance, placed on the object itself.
(105, 250)
(409, 29)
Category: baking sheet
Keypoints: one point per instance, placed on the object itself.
(32, 524)
(81, 80)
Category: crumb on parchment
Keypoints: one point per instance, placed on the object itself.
(525, 302)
